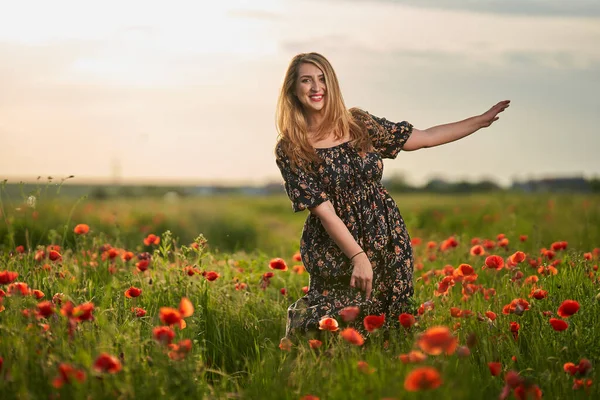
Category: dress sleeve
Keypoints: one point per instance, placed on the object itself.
(388, 137)
(302, 188)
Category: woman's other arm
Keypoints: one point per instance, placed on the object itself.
(362, 276)
(442, 134)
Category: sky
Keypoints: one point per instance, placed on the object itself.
(184, 92)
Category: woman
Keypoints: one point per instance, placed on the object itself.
(354, 244)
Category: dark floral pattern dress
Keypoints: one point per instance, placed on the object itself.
(353, 185)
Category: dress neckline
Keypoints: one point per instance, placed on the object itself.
(332, 147)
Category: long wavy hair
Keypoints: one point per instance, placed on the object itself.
(291, 120)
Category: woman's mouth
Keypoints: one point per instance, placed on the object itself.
(316, 97)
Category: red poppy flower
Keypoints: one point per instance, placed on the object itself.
(179, 351)
(152, 239)
(185, 307)
(169, 315)
(18, 288)
(489, 244)
(83, 312)
(297, 256)
(538, 294)
(283, 291)
(495, 368)
(142, 265)
(491, 315)
(298, 269)
(488, 293)
(406, 320)
(66, 374)
(374, 322)
(464, 270)
(570, 368)
(8, 277)
(268, 275)
(549, 254)
(364, 367)
(328, 324)
(477, 250)
(428, 305)
(413, 356)
(211, 276)
(584, 366)
(81, 229)
(527, 392)
(21, 249)
(494, 262)
(54, 255)
(314, 343)
(449, 243)
(38, 294)
(514, 328)
(351, 335)
(416, 241)
(163, 334)
(503, 242)
(422, 378)
(463, 351)
(444, 285)
(516, 306)
(349, 313)
(558, 324)
(45, 309)
(517, 257)
(139, 312)
(436, 340)
(455, 312)
(285, 344)
(107, 363)
(557, 246)
(531, 280)
(133, 292)
(278, 264)
(568, 308)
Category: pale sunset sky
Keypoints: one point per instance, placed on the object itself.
(185, 91)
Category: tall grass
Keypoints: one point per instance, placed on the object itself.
(235, 333)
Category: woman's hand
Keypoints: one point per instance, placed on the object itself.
(362, 275)
(491, 115)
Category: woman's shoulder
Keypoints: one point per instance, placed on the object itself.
(281, 148)
(359, 113)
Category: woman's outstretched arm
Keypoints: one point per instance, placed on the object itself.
(442, 134)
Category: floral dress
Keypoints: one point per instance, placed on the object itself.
(353, 185)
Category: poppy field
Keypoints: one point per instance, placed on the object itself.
(149, 298)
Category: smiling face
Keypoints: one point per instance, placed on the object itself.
(310, 87)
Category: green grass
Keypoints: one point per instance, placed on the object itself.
(235, 333)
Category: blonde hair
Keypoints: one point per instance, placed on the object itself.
(291, 122)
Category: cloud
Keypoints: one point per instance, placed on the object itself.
(559, 8)
(343, 47)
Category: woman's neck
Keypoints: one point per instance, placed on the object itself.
(314, 120)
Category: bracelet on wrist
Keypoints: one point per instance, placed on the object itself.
(360, 252)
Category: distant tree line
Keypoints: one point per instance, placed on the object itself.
(396, 183)
(558, 184)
